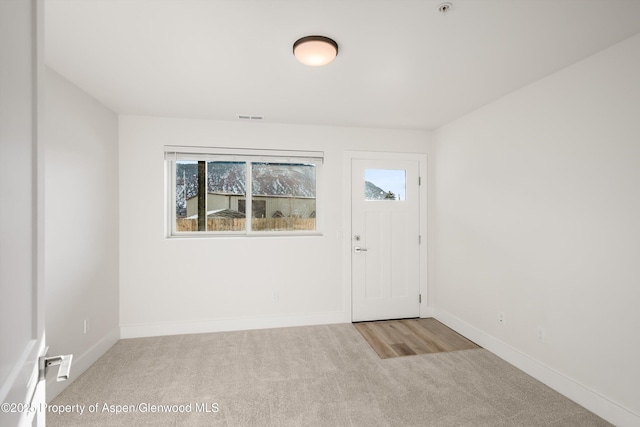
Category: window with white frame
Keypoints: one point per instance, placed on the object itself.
(220, 191)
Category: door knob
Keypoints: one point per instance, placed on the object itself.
(358, 249)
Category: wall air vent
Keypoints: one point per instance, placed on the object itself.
(249, 117)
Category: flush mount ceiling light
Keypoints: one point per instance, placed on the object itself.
(315, 50)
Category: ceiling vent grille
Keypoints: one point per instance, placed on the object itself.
(249, 117)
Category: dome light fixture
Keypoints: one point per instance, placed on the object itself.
(315, 50)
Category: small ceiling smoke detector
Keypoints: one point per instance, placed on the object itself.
(444, 7)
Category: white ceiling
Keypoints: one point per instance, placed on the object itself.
(402, 64)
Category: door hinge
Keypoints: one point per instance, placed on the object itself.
(420, 298)
(419, 180)
(419, 239)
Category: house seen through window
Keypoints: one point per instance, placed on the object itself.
(216, 196)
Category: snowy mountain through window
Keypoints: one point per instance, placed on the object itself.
(283, 196)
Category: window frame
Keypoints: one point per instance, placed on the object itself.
(172, 154)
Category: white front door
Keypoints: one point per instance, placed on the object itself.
(22, 338)
(385, 241)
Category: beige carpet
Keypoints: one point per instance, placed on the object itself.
(306, 376)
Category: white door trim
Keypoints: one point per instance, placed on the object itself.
(346, 235)
(20, 386)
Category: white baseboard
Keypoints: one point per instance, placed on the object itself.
(81, 363)
(584, 396)
(426, 312)
(235, 324)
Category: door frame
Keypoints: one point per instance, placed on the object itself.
(422, 159)
(23, 385)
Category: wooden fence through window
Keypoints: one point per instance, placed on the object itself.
(257, 224)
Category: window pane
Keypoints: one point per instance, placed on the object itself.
(186, 195)
(209, 191)
(385, 184)
(225, 188)
(217, 209)
(283, 197)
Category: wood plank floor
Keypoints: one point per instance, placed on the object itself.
(394, 338)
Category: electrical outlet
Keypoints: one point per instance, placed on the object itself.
(541, 334)
(87, 326)
(501, 318)
(276, 296)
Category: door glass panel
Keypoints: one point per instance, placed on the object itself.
(385, 184)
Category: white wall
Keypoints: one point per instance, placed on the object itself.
(537, 211)
(81, 225)
(195, 285)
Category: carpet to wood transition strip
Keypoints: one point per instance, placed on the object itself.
(394, 338)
